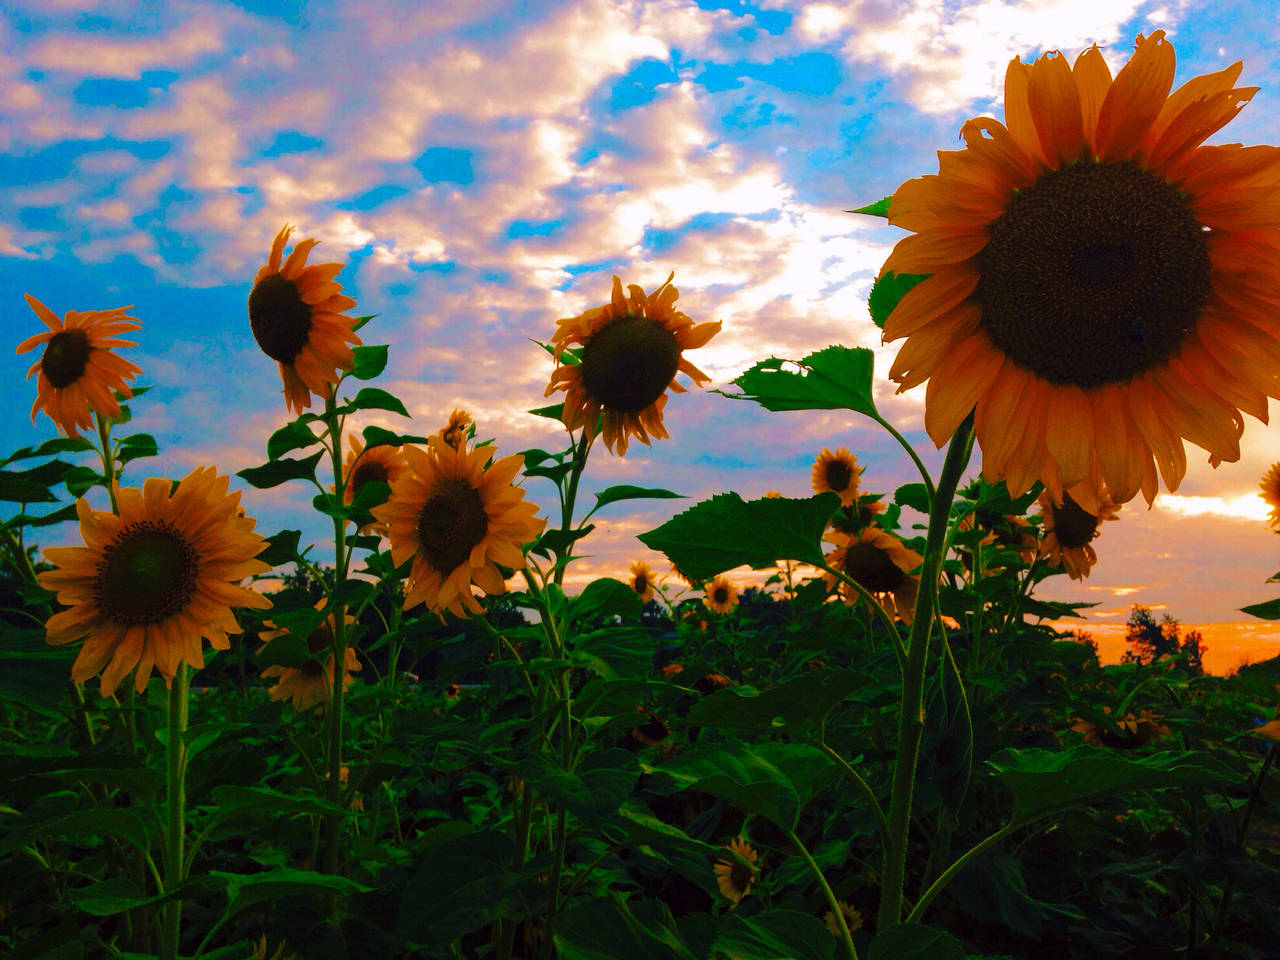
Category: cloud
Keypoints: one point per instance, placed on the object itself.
(86, 54)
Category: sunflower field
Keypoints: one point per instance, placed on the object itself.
(421, 745)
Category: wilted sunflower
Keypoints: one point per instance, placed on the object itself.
(1101, 285)
(454, 433)
(733, 877)
(1069, 528)
(309, 684)
(631, 352)
(153, 580)
(296, 313)
(457, 519)
(721, 595)
(379, 464)
(838, 472)
(78, 371)
(1134, 731)
(881, 564)
(641, 580)
(1271, 495)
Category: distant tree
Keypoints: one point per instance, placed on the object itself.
(1086, 638)
(1150, 640)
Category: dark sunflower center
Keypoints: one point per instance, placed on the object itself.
(280, 320)
(65, 357)
(451, 523)
(839, 476)
(740, 877)
(1093, 274)
(873, 568)
(655, 729)
(628, 364)
(642, 583)
(720, 595)
(368, 472)
(147, 574)
(1073, 526)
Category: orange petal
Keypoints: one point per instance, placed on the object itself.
(926, 252)
(930, 299)
(1000, 418)
(1018, 114)
(1093, 80)
(1055, 107)
(1135, 98)
(1121, 451)
(951, 396)
(991, 143)
(1069, 433)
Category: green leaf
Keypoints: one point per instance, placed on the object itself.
(1044, 781)
(137, 445)
(553, 412)
(17, 489)
(361, 321)
(878, 209)
(775, 935)
(774, 780)
(628, 492)
(118, 894)
(244, 890)
(726, 532)
(640, 826)
(593, 790)
(462, 884)
(61, 515)
(370, 360)
(282, 547)
(49, 448)
(120, 822)
(80, 479)
(915, 941)
(619, 929)
(1268, 610)
(615, 652)
(292, 436)
(374, 398)
(887, 291)
(32, 672)
(375, 436)
(913, 495)
(558, 541)
(235, 800)
(808, 697)
(279, 471)
(605, 598)
(834, 378)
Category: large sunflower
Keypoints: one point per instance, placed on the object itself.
(631, 352)
(379, 464)
(296, 312)
(1102, 285)
(1070, 527)
(457, 519)
(838, 472)
(309, 684)
(77, 370)
(881, 564)
(1270, 487)
(153, 580)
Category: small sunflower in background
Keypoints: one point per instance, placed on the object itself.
(852, 918)
(378, 464)
(881, 564)
(77, 370)
(838, 472)
(457, 516)
(721, 595)
(297, 316)
(456, 431)
(1004, 530)
(733, 877)
(1069, 529)
(631, 352)
(1270, 487)
(1099, 282)
(1134, 731)
(773, 494)
(153, 580)
(641, 580)
(653, 731)
(309, 684)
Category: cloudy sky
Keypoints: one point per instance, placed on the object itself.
(484, 167)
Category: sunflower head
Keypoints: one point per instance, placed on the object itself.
(77, 370)
(154, 578)
(881, 564)
(631, 350)
(733, 876)
(838, 472)
(457, 430)
(721, 595)
(378, 464)
(457, 516)
(641, 580)
(1099, 281)
(1131, 731)
(852, 918)
(297, 314)
(651, 731)
(310, 683)
(1270, 487)
(1070, 527)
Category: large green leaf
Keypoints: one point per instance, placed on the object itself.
(1044, 781)
(726, 532)
(627, 492)
(775, 935)
(595, 789)
(808, 697)
(605, 597)
(915, 941)
(375, 398)
(292, 436)
(1267, 610)
(461, 885)
(369, 361)
(278, 471)
(244, 890)
(834, 378)
(233, 800)
(618, 929)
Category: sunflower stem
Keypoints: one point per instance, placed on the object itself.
(108, 461)
(175, 835)
(911, 718)
(915, 458)
(845, 935)
(878, 610)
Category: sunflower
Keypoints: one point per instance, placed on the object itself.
(1101, 285)
(721, 595)
(296, 313)
(652, 732)
(455, 432)
(641, 580)
(153, 580)
(733, 877)
(773, 494)
(1134, 731)
(631, 352)
(881, 564)
(382, 463)
(838, 472)
(309, 684)
(1271, 495)
(77, 370)
(457, 519)
(852, 919)
(1069, 528)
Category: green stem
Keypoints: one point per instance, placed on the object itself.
(845, 935)
(902, 441)
(882, 825)
(911, 719)
(946, 876)
(108, 461)
(175, 834)
(877, 609)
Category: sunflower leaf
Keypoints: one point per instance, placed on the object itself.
(375, 436)
(726, 532)
(277, 472)
(1269, 610)
(282, 547)
(292, 436)
(912, 495)
(878, 209)
(15, 488)
(61, 515)
(373, 398)
(915, 941)
(773, 934)
(137, 445)
(887, 291)
(553, 412)
(369, 361)
(627, 492)
(834, 378)
(361, 321)
(80, 479)
(50, 447)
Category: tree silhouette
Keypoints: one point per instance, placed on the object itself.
(1150, 640)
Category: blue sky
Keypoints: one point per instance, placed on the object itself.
(484, 167)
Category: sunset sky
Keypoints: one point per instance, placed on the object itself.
(484, 168)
